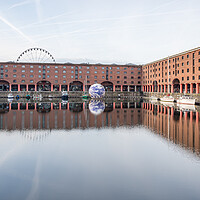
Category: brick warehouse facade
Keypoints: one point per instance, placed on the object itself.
(68, 77)
(178, 73)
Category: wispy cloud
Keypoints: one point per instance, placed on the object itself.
(20, 4)
(114, 18)
(38, 9)
(16, 29)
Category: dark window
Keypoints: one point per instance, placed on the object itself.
(188, 78)
(187, 70)
(193, 77)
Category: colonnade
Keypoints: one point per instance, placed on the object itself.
(191, 88)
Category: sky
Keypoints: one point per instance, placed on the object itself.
(99, 31)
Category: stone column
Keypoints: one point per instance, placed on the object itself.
(197, 88)
(35, 87)
(51, 87)
(172, 88)
(9, 87)
(113, 88)
(26, 87)
(136, 88)
(18, 87)
(68, 88)
(181, 88)
(59, 87)
(121, 88)
(128, 88)
(83, 88)
(186, 91)
(191, 88)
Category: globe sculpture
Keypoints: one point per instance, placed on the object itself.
(97, 91)
(96, 107)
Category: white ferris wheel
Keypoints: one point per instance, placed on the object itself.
(36, 55)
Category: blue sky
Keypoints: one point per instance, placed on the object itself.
(99, 31)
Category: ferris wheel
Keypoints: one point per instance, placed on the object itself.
(36, 55)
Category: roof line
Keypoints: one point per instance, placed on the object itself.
(172, 56)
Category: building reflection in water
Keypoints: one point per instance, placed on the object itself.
(173, 123)
(179, 126)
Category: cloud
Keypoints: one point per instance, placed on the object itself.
(38, 9)
(20, 4)
(16, 29)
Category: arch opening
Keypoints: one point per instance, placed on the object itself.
(4, 85)
(43, 86)
(107, 85)
(176, 84)
(76, 86)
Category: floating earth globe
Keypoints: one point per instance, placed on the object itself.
(96, 107)
(97, 91)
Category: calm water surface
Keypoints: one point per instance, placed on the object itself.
(130, 150)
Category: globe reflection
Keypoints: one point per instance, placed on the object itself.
(96, 107)
(97, 91)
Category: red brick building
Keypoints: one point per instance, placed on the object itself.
(68, 77)
(178, 73)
